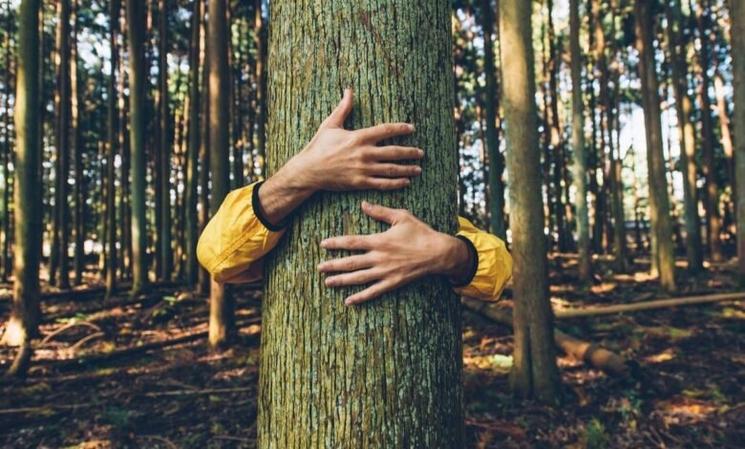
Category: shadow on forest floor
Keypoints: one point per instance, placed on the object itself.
(689, 391)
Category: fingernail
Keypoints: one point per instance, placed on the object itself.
(417, 169)
(411, 127)
(324, 244)
(421, 153)
(347, 302)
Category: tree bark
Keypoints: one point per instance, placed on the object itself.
(737, 13)
(386, 374)
(261, 85)
(7, 147)
(534, 373)
(221, 306)
(77, 150)
(24, 318)
(137, 99)
(64, 120)
(579, 166)
(686, 132)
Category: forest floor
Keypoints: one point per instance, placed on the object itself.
(88, 387)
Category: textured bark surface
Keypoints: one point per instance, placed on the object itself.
(738, 70)
(192, 158)
(27, 192)
(579, 164)
(113, 144)
(385, 374)
(534, 373)
(659, 202)
(165, 240)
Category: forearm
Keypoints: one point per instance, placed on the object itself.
(282, 193)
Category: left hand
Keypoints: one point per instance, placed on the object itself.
(407, 251)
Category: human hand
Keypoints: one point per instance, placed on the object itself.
(407, 251)
(342, 160)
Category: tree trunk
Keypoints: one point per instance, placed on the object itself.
(659, 202)
(192, 176)
(113, 138)
(535, 373)
(7, 147)
(221, 306)
(137, 78)
(386, 374)
(495, 158)
(737, 13)
(579, 168)
(164, 238)
(686, 132)
(64, 110)
(77, 151)
(261, 85)
(24, 318)
(711, 188)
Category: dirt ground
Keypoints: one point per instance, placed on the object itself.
(687, 388)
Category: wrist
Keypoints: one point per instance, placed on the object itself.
(295, 176)
(457, 259)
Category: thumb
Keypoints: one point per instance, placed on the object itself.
(340, 114)
(380, 213)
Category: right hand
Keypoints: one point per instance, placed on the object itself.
(341, 160)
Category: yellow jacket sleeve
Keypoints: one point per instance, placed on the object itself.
(235, 239)
(494, 266)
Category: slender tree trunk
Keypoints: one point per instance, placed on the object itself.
(77, 150)
(683, 107)
(659, 202)
(711, 188)
(165, 239)
(7, 147)
(113, 141)
(336, 354)
(261, 89)
(495, 157)
(534, 373)
(192, 176)
(579, 168)
(724, 123)
(737, 13)
(24, 318)
(222, 315)
(137, 99)
(204, 157)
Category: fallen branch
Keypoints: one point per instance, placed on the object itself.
(198, 392)
(595, 355)
(134, 350)
(49, 337)
(43, 408)
(648, 305)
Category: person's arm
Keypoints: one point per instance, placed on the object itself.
(493, 267)
(476, 262)
(407, 251)
(251, 220)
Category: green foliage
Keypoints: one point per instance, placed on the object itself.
(596, 435)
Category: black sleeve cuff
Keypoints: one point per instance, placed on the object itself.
(474, 261)
(261, 215)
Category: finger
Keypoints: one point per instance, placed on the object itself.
(381, 213)
(385, 131)
(395, 153)
(395, 170)
(387, 183)
(348, 242)
(370, 293)
(354, 278)
(340, 114)
(351, 263)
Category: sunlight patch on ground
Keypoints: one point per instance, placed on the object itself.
(682, 411)
(664, 356)
(497, 363)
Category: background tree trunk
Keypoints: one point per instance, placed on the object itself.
(64, 111)
(192, 158)
(222, 315)
(737, 12)
(683, 107)
(113, 137)
(25, 315)
(164, 115)
(659, 202)
(579, 166)
(136, 35)
(320, 359)
(534, 373)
